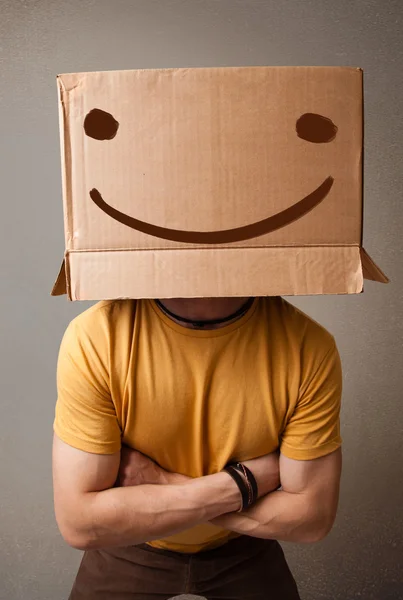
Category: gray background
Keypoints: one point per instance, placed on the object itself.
(362, 557)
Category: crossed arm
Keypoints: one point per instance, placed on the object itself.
(91, 513)
(303, 511)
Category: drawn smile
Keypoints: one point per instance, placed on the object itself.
(224, 236)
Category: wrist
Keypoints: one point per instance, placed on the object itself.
(233, 494)
(218, 493)
(266, 471)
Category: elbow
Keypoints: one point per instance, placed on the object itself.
(75, 538)
(77, 543)
(76, 528)
(315, 536)
(318, 531)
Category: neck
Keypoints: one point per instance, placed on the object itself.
(203, 309)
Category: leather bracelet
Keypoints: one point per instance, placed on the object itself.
(243, 472)
(250, 477)
(241, 483)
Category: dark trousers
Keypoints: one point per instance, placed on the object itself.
(244, 568)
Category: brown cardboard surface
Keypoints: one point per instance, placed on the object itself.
(203, 182)
(215, 272)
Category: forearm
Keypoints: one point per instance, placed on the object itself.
(281, 516)
(133, 515)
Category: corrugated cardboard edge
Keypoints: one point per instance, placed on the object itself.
(370, 270)
(198, 273)
(362, 156)
(131, 268)
(66, 158)
(62, 283)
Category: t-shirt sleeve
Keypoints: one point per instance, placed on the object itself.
(85, 416)
(314, 427)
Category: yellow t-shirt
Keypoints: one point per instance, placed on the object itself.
(193, 400)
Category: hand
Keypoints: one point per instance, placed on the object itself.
(138, 469)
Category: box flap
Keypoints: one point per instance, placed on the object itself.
(60, 286)
(370, 270)
(219, 272)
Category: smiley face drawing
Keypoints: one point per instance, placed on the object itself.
(176, 158)
(314, 128)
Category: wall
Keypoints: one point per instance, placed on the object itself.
(40, 38)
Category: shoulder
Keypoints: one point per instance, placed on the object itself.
(104, 317)
(95, 330)
(310, 346)
(300, 330)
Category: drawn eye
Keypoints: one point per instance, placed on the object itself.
(316, 128)
(100, 125)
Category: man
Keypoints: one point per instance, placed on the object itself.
(188, 385)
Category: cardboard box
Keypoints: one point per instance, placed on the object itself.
(213, 182)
